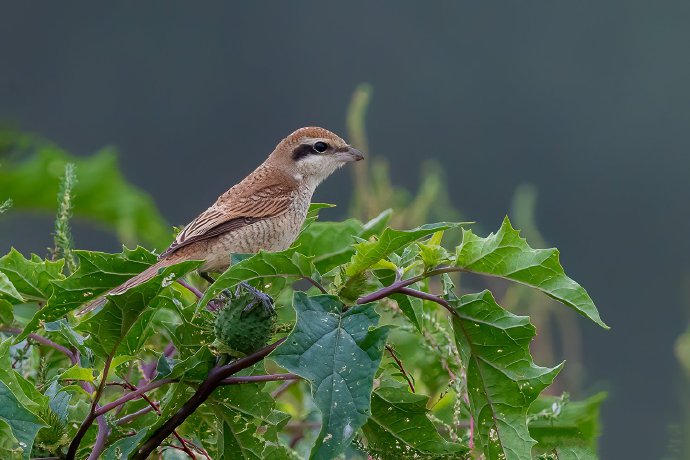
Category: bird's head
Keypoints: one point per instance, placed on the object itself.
(313, 154)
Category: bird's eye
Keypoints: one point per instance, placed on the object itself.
(320, 147)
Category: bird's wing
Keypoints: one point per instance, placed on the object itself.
(236, 208)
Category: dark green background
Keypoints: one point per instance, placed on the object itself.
(589, 100)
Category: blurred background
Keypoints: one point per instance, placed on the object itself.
(570, 116)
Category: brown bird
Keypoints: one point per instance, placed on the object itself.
(265, 211)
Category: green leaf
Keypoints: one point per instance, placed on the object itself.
(59, 401)
(507, 255)
(109, 327)
(573, 433)
(369, 253)
(23, 390)
(102, 194)
(6, 312)
(122, 448)
(9, 445)
(7, 289)
(194, 368)
(31, 278)
(433, 253)
(329, 243)
(98, 272)
(376, 225)
(77, 373)
(412, 307)
(502, 379)
(261, 265)
(248, 423)
(24, 423)
(399, 427)
(338, 352)
(74, 389)
(314, 209)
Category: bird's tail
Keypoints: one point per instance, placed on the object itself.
(129, 284)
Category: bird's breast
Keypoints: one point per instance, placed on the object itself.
(271, 234)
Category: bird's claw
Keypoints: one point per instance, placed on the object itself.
(260, 298)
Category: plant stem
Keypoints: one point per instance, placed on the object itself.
(102, 435)
(315, 283)
(283, 388)
(153, 406)
(428, 296)
(190, 288)
(400, 287)
(213, 380)
(133, 395)
(400, 366)
(43, 341)
(129, 417)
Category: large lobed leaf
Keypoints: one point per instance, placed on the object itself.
(368, 253)
(23, 423)
(7, 289)
(31, 278)
(399, 426)
(329, 243)
(502, 379)
(261, 265)
(98, 272)
(248, 423)
(20, 402)
(507, 255)
(109, 327)
(338, 352)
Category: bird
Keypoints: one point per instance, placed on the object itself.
(263, 212)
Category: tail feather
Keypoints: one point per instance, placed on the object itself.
(129, 284)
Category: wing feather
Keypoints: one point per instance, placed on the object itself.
(235, 209)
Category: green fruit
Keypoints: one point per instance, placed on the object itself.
(244, 333)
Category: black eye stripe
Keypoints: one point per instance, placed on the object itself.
(317, 148)
(302, 151)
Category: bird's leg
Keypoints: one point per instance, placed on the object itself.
(207, 277)
(215, 304)
(260, 297)
(211, 280)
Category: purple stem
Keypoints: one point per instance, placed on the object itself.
(43, 341)
(129, 417)
(148, 369)
(214, 378)
(428, 296)
(397, 285)
(74, 359)
(133, 395)
(101, 437)
(316, 284)
(191, 288)
(169, 350)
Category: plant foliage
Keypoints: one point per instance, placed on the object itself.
(375, 353)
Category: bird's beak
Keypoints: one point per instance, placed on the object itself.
(351, 154)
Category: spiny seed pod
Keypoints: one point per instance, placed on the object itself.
(244, 333)
(54, 436)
